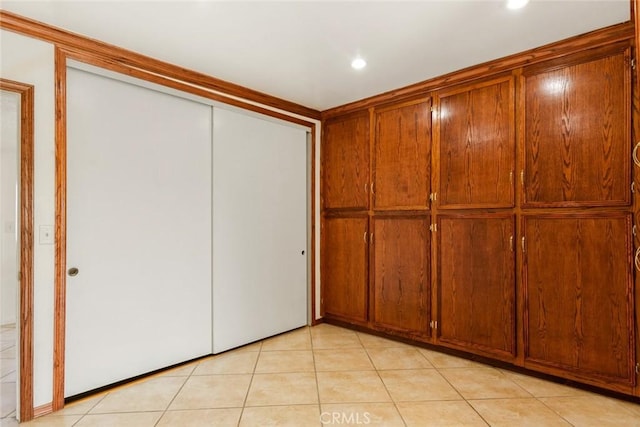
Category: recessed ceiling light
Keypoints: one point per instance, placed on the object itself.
(516, 4)
(358, 63)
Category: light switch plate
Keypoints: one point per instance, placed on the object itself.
(46, 235)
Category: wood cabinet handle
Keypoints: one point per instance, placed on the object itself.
(522, 243)
(636, 259)
(511, 243)
(635, 154)
(365, 237)
(372, 188)
(366, 187)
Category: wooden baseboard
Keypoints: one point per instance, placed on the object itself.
(42, 410)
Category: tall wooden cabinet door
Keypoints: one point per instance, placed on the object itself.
(402, 156)
(577, 132)
(476, 285)
(402, 274)
(345, 163)
(344, 267)
(579, 295)
(476, 146)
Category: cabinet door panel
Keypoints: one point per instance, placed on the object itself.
(578, 293)
(402, 276)
(476, 283)
(345, 163)
(477, 146)
(577, 134)
(344, 267)
(402, 156)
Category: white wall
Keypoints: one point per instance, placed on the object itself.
(31, 61)
(9, 143)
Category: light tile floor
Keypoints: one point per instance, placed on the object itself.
(7, 373)
(327, 375)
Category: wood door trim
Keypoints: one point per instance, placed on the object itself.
(60, 286)
(26, 93)
(147, 75)
(62, 38)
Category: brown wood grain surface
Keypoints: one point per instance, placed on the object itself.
(476, 285)
(578, 292)
(401, 282)
(60, 279)
(345, 163)
(402, 163)
(577, 134)
(477, 146)
(344, 267)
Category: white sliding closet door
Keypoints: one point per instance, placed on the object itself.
(259, 229)
(138, 231)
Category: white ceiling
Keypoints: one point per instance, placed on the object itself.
(301, 50)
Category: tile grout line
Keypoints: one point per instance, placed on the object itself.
(315, 373)
(89, 410)
(464, 399)
(253, 374)
(395, 404)
(553, 410)
(177, 392)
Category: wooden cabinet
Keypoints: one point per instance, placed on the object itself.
(476, 286)
(403, 156)
(476, 145)
(344, 267)
(577, 131)
(345, 163)
(579, 304)
(401, 291)
(509, 237)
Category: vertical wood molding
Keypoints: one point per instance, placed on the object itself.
(26, 93)
(60, 229)
(635, 18)
(312, 245)
(635, 134)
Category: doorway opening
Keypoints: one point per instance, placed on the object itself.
(16, 254)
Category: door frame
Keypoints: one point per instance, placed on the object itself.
(25, 313)
(111, 61)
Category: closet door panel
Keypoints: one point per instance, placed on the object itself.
(402, 274)
(344, 267)
(138, 230)
(260, 285)
(403, 156)
(477, 146)
(578, 294)
(476, 266)
(577, 133)
(345, 163)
